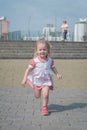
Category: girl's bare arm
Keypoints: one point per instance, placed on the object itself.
(25, 76)
(56, 73)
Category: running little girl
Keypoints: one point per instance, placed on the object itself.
(38, 74)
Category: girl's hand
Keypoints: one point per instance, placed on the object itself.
(59, 76)
(23, 83)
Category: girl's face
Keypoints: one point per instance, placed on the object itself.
(42, 50)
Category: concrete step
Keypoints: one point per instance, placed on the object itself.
(25, 49)
(53, 55)
(53, 51)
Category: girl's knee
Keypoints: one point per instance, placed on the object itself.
(37, 96)
(37, 93)
(46, 94)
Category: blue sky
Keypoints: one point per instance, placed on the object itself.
(35, 14)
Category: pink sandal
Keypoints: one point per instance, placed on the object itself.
(45, 110)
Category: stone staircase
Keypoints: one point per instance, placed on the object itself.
(25, 50)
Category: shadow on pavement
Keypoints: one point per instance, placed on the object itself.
(60, 108)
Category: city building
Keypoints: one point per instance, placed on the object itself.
(4, 28)
(50, 33)
(80, 31)
(15, 35)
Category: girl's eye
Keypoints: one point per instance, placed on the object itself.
(42, 49)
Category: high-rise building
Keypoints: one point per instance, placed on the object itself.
(4, 28)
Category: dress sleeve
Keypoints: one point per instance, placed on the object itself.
(31, 63)
(52, 64)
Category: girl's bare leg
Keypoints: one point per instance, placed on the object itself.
(45, 93)
(37, 93)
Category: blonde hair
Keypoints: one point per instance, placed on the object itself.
(42, 41)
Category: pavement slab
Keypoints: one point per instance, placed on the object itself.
(19, 110)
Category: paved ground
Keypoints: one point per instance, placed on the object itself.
(19, 110)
